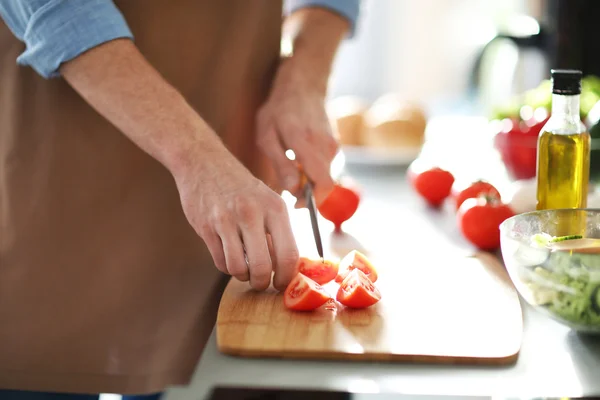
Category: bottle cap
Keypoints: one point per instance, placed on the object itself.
(566, 81)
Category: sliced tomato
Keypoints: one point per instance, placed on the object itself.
(353, 260)
(304, 294)
(320, 271)
(357, 291)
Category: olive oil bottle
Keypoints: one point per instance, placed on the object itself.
(563, 158)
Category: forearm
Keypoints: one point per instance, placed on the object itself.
(117, 81)
(315, 35)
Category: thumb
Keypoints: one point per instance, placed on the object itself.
(286, 169)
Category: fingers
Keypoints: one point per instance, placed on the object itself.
(234, 252)
(315, 149)
(257, 251)
(215, 247)
(283, 247)
(286, 170)
(271, 249)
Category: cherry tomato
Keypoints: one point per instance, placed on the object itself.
(479, 220)
(473, 190)
(357, 291)
(340, 205)
(355, 260)
(320, 271)
(304, 294)
(434, 184)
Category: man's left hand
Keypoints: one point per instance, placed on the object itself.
(294, 118)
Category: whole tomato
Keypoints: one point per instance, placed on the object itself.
(517, 144)
(433, 184)
(479, 220)
(340, 205)
(474, 189)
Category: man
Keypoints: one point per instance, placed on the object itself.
(164, 121)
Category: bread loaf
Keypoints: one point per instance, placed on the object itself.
(394, 122)
(346, 114)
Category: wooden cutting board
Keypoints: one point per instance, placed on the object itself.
(466, 312)
(439, 303)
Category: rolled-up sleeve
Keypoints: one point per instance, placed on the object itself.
(349, 9)
(56, 31)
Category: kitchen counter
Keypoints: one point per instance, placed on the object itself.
(554, 361)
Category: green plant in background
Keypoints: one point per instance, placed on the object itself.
(541, 97)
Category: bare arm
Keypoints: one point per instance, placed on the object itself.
(120, 84)
(315, 35)
(228, 207)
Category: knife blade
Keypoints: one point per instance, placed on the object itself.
(312, 209)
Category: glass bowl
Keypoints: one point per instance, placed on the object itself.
(553, 259)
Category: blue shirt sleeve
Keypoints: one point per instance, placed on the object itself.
(56, 31)
(349, 9)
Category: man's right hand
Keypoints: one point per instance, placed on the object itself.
(235, 214)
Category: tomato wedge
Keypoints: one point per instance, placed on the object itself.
(320, 271)
(356, 260)
(304, 294)
(357, 291)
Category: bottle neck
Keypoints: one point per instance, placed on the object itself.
(565, 107)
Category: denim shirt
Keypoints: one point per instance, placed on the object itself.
(56, 31)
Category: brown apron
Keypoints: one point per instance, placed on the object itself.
(104, 286)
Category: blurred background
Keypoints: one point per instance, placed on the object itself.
(442, 70)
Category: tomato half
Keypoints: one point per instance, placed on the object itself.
(357, 291)
(320, 271)
(304, 294)
(479, 220)
(472, 190)
(355, 260)
(434, 184)
(340, 205)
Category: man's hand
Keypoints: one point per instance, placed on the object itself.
(294, 115)
(244, 223)
(235, 214)
(294, 118)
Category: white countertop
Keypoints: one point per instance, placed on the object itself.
(554, 361)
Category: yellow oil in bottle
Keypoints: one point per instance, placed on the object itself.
(563, 170)
(563, 176)
(563, 165)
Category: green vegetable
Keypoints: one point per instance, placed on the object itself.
(568, 283)
(563, 238)
(596, 300)
(543, 239)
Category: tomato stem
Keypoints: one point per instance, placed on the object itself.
(490, 197)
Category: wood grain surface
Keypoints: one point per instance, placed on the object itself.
(437, 306)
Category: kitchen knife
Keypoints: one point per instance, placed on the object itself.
(312, 209)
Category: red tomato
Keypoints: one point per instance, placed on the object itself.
(340, 205)
(479, 220)
(517, 144)
(475, 189)
(304, 294)
(320, 271)
(357, 291)
(355, 260)
(433, 184)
